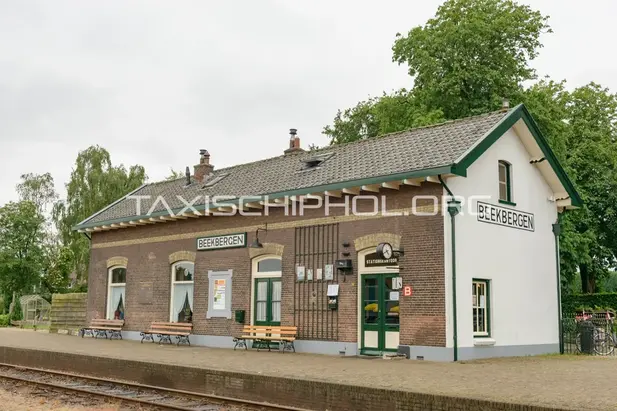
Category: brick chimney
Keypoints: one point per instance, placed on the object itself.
(204, 168)
(294, 142)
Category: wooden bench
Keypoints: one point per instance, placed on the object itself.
(265, 334)
(100, 328)
(166, 330)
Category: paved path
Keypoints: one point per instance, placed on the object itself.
(577, 383)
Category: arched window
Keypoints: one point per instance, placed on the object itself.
(505, 181)
(181, 305)
(116, 286)
(267, 290)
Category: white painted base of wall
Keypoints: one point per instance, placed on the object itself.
(415, 352)
(306, 346)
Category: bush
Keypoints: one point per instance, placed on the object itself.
(17, 313)
(4, 320)
(589, 302)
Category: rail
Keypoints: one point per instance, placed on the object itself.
(164, 398)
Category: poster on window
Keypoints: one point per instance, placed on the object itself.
(329, 274)
(319, 274)
(300, 273)
(309, 274)
(219, 295)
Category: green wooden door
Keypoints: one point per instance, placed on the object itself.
(380, 314)
(268, 301)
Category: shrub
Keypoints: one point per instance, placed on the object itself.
(589, 302)
(17, 313)
(4, 320)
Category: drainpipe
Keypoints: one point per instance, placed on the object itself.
(556, 232)
(454, 207)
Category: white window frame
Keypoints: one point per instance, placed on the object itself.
(174, 282)
(108, 314)
(255, 274)
(508, 183)
(487, 307)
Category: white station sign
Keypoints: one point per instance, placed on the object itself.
(508, 217)
(221, 241)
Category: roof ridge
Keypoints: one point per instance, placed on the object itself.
(347, 144)
(443, 123)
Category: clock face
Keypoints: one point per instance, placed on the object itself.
(384, 250)
(387, 251)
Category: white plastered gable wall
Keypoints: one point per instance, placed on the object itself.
(520, 264)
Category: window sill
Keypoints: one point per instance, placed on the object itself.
(483, 341)
(510, 203)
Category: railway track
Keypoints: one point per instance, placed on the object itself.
(157, 397)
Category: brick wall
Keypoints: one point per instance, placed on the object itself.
(304, 394)
(422, 317)
(68, 312)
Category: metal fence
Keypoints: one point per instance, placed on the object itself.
(589, 333)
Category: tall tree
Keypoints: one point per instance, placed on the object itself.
(472, 55)
(376, 116)
(95, 183)
(466, 60)
(39, 189)
(21, 254)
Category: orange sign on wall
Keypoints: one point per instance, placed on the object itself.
(407, 291)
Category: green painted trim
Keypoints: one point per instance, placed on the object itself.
(488, 306)
(520, 112)
(453, 210)
(510, 203)
(301, 191)
(381, 327)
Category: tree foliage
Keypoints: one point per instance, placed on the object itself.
(21, 254)
(95, 183)
(472, 55)
(38, 189)
(465, 61)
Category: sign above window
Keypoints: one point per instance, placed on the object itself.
(372, 260)
(508, 217)
(218, 242)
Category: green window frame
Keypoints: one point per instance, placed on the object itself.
(481, 307)
(505, 182)
(268, 303)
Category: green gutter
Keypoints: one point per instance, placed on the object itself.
(296, 192)
(453, 210)
(557, 231)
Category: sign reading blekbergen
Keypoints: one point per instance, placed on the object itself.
(492, 214)
(216, 242)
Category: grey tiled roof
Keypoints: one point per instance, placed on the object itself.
(407, 151)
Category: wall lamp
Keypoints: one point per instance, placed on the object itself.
(256, 243)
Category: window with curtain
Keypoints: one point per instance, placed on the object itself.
(181, 307)
(481, 308)
(116, 287)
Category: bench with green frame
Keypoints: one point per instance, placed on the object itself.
(167, 330)
(103, 328)
(266, 334)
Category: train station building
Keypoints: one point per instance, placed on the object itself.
(440, 243)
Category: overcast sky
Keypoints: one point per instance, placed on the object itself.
(155, 81)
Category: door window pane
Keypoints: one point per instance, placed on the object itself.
(260, 311)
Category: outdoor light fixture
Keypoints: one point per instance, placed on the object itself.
(256, 243)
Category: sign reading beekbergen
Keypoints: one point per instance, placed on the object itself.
(221, 241)
(492, 214)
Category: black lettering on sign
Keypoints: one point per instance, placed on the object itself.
(507, 217)
(221, 241)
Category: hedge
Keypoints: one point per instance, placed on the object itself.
(599, 301)
(4, 320)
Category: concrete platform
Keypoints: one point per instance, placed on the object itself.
(326, 382)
